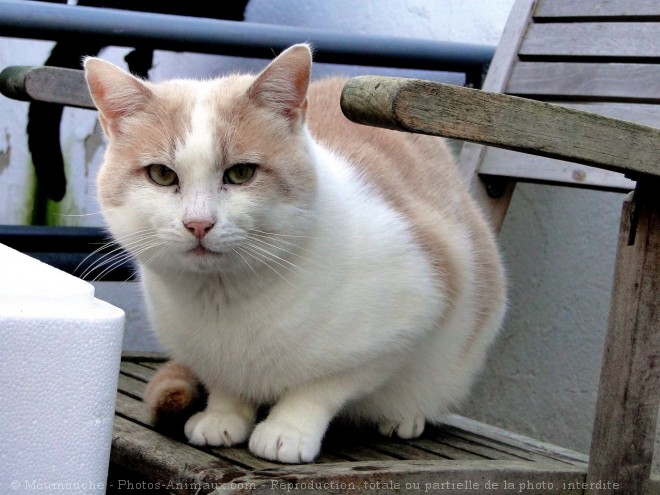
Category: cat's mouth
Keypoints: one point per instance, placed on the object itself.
(202, 251)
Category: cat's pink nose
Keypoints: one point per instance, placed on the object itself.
(199, 228)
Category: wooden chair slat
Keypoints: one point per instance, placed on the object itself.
(495, 205)
(638, 83)
(624, 41)
(589, 10)
(137, 371)
(481, 430)
(539, 170)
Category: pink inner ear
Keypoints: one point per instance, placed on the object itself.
(116, 93)
(282, 86)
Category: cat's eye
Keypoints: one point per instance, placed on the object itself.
(239, 174)
(162, 175)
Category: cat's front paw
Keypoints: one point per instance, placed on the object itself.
(218, 429)
(280, 441)
(411, 427)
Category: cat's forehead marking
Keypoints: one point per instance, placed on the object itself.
(196, 150)
(208, 135)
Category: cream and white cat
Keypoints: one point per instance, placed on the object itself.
(291, 258)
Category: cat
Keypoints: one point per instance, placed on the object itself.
(293, 259)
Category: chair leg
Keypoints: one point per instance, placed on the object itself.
(629, 391)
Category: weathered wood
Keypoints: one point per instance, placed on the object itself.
(528, 168)
(239, 456)
(503, 121)
(536, 169)
(508, 46)
(166, 461)
(629, 391)
(586, 81)
(504, 451)
(154, 365)
(131, 386)
(447, 477)
(522, 442)
(48, 84)
(493, 460)
(133, 409)
(405, 451)
(648, 115)
(144, 357)
(361, 453)
(595, 10)
(612, 41)
(654, 485)
(12, 82)
(462, 448)
(496, 79)
(137, 370)
(457, 449)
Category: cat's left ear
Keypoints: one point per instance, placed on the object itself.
(282, 86)
(116, 93)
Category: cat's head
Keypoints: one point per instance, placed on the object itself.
(206, 175)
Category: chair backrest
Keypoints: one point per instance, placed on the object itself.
(591, 55)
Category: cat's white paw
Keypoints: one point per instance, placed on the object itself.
(280, 441)
(408, 428)
(218, 429)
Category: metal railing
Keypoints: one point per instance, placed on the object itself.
(46, 21)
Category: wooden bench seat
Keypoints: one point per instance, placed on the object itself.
(461, 453)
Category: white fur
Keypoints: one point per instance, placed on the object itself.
(341, 319)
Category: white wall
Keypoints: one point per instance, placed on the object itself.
(559, 243)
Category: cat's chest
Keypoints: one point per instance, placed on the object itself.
(205, 314)
(257, 338)
(257, 347)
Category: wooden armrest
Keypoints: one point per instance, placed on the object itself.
(503, 121)
(47, 84)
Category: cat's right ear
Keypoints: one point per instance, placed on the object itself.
(116, 93)
(282, 86)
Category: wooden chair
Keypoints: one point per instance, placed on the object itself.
(555, 50)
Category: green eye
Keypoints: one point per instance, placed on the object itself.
(162, 175)
(239, 174)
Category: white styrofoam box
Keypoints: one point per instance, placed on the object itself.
(60, 350)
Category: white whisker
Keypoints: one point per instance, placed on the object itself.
(120, 259)
(262, 242)
(140, 236)
(282, 235)
(273, 257)
(153, 257)
(324, 220)
(78, 214)
(107, 266)
(266, 263)
(234, 250)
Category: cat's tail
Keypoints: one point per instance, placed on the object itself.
(173, 393)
